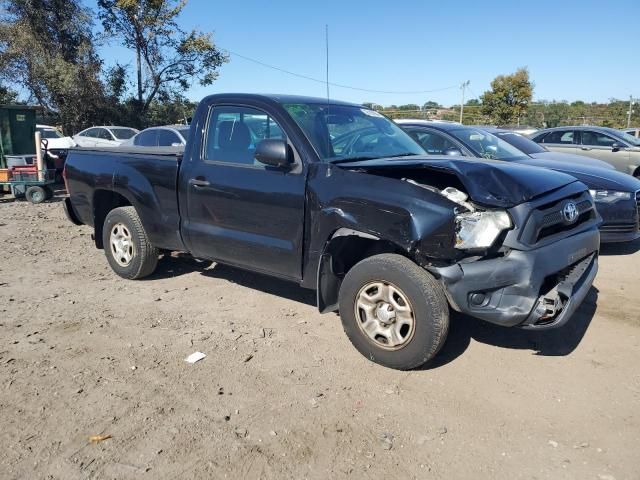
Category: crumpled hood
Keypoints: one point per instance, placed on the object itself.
(593, 177)
(488, 182)
(571, 158)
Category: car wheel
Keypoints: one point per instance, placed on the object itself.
(393, 311)
(126, 244)
(35, 194)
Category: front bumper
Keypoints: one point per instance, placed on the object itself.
(538, 288)
(621, 221)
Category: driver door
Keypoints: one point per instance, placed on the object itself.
(240, 211)
(598, 145)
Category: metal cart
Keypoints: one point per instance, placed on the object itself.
(37, 184)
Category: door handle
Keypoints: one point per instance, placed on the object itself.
(198, 183)
(585, 148)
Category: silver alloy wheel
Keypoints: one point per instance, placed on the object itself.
(122, 246)
(385, 315)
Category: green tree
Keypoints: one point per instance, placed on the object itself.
(8, 95)
(430, 105)
(509, 97)
(46, 47)
(168, 59)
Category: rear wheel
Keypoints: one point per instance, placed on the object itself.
(36, 194)
(126, 244)
(393, 311)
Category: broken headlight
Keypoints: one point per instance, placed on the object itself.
(480, 229)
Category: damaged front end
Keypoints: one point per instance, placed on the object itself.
(509, 259)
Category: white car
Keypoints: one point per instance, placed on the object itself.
(104, 136)
(168, 136)
(55, 140)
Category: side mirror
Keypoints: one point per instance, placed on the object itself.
(616, 147)
(456, 152)
(273, 152)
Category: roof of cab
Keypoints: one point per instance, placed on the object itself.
(280, 98)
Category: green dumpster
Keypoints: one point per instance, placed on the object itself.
(17, 130)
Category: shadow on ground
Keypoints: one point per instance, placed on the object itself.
(179, 264)
(555, 342)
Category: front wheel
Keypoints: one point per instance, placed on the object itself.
(126, 244)
(393, 311)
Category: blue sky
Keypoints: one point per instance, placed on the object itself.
(585, 50)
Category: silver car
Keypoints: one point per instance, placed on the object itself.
(608, 144)
(168, 136)
(104, 136)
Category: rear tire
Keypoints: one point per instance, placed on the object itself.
(36, 194)
(126, 245)
(393, 311)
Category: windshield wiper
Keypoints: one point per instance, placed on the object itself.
(364, 158)
(352, 159)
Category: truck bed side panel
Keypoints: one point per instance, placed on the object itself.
(147, 181)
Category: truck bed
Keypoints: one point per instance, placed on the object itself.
(146, 177)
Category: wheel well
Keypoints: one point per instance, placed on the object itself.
(340, 255)
(103, 202)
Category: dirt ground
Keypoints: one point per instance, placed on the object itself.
(282, 393)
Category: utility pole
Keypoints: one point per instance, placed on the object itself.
(631, 104)
(462, 87)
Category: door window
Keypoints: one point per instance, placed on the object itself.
(146, 138)
(596, 139)
(432, 142)
(166, 138)
(103, 134)
(563, 137)
(233, 134)
(91, 133)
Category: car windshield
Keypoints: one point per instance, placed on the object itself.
(49, 133)
(486, 145)
(184, 132)
(521, 143)
(626, 137)
(123, 133)
(340, 133)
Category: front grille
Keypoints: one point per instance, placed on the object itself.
(553, 222)
(547, 220)
(619, 228)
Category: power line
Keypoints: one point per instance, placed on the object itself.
(324, 82)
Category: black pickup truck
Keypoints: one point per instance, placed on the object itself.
(337, 198)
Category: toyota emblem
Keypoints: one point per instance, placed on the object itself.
(570, 212)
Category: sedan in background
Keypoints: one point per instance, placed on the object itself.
(169, 136)
(617, 195)
(104, 136)
(613, 146)
(536, 150)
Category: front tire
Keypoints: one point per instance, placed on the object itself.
(126, 245)
(393, 311)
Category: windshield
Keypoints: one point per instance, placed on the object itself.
(486, 145)
(626, 137)
(49, 133)
(123, 133)
(521, 143)
(344, 132)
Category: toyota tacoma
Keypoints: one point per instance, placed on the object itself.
(337, 198)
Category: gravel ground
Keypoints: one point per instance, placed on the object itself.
(281, 393)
